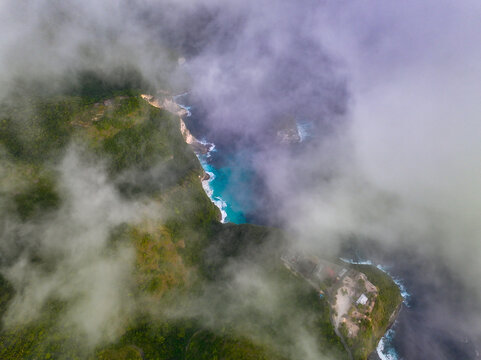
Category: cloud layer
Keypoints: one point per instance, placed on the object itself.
(68, 256)
(391, 89)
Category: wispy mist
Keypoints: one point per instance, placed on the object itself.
(390, 88)
(69, 256)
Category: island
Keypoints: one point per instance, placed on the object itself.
(185, 298)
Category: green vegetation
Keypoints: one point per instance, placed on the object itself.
(186, 251)
(389, 297)
(314, 314)
(181, 340)
(36, 129)
(92, 86)
(39, 197)
(388, 300)
(6, 294)
(204, 345)
(41, 339)
(146, 156)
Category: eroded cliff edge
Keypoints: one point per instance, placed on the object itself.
(182, 255)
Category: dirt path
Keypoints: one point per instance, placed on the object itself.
(342, 306)
(348, 350)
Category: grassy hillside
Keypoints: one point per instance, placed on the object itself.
(144, 156)
(181, 256)
(388, 301)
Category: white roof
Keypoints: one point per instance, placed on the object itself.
(362, 299)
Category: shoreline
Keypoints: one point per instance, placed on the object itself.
(206, 185)
(390, 332)
(202, 149)
(388, 335)
(404, 293)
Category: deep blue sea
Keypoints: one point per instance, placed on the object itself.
(415, 335)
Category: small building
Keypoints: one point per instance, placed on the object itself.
(362, 300)
(342, 272)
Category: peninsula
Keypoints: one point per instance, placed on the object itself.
(196, 289)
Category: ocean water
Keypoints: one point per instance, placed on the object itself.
(221, 192)
(216, 187)
(413, 335)
(425, 328)
(219, 187)
(221, 178)
(385, 349)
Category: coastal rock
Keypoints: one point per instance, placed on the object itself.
(288, 130)
(199, 147)
(289, 136)
(168, 104)
(188, 137)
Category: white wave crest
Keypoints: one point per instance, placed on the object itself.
(206, 184)
(382, 352)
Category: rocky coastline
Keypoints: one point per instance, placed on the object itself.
(167, 103)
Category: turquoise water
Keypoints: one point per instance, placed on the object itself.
(219, 190)
(231, 184)
(230, 189)
(222, 186)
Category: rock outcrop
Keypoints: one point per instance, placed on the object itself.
(168, 104)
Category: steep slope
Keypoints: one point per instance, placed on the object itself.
(195, 288)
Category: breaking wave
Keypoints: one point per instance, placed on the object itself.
(206, 184)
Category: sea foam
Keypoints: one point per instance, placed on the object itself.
(382, 351)
(303, 129)
(206, 184)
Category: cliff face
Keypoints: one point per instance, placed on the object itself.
(169, 105)
(180, 257)
(143, 161)
(361, 310)
(188, 137)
